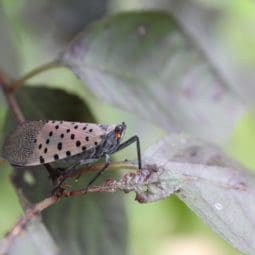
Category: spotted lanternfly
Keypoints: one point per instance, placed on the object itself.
(40, 142)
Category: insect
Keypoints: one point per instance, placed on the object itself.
(40, 142)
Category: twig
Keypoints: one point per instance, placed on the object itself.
(129, 182)
(36, 209)
(15, 85)
(30, 214)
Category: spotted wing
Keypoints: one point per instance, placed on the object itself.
(39, 142)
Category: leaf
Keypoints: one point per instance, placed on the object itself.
(145, 63)
(216, 188)
(94, 224)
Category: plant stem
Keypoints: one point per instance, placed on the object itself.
(35, 210)
(15, 85)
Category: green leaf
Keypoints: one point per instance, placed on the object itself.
(92, 224)
(145, 63)
(218, 189)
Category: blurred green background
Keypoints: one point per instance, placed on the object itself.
(40, 29)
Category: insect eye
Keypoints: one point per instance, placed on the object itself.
(118, 132)
(118, 135)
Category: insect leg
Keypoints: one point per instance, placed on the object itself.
(61, 176)
(133, 139)
(107, 163)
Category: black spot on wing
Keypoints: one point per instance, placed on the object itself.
(59, 146)
(42, 160)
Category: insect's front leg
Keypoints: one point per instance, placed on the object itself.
(133, 139)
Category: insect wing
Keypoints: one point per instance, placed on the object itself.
(40, 142)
